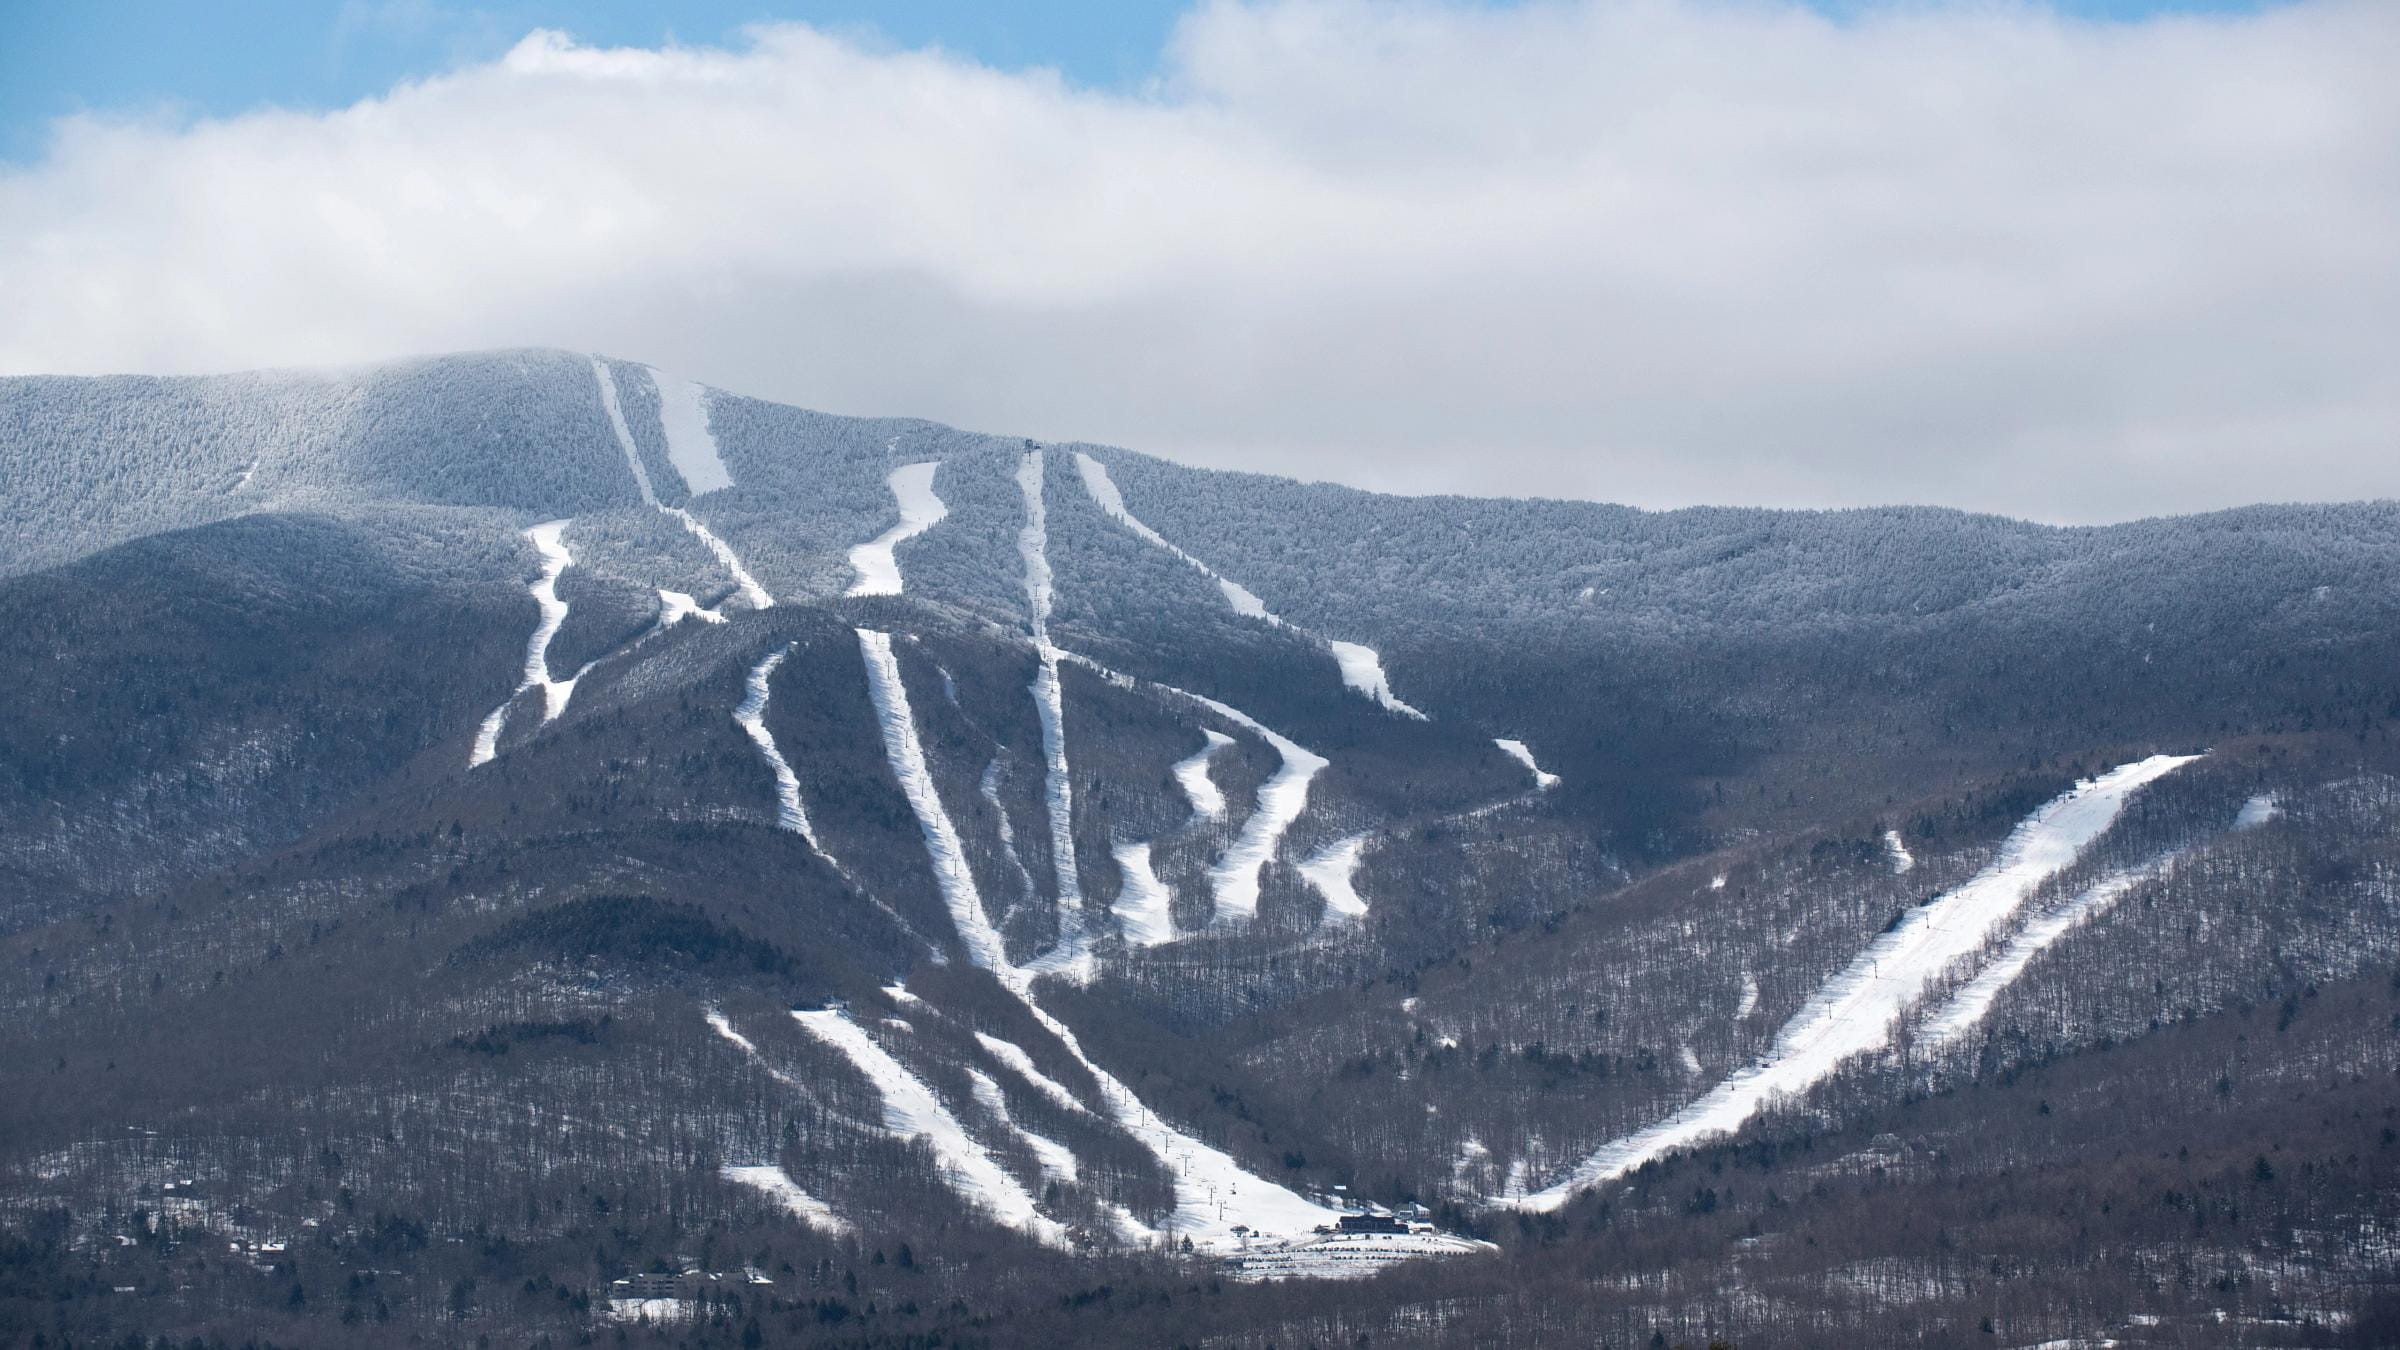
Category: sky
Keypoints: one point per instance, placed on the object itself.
(2076, 261)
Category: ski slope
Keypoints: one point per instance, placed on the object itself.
(775, 1185)
(877, 566)
(910, 1110)
(616, 421)
(751, 716)
(1972, 1002)
(1523, 754)
(1332, 872)
(1021, 1064)
(1072, 955)
(675, 606)
(1233, 881)
(691, 446)
(1056, 1160)
(752, 593)
(1142, 907)
(1191, 774)
(549, 539)
(1362, 670)
(1903, 861)
(1858, 1010)
(906, 754)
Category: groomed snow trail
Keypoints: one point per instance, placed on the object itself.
(1057, 1160)
(1523, 754)
(691, 446)
(878, 569)
(1143, 907)
(910, 1109)
(780, 1188)
(675, 606)
(906, 755)
(1332, 871)
(699, 450)
(1208, 802)
(1361, 665)
(1973, 1001)
(751, 715)
(1233, 882)
(549, 540)
(1857, 1011)
(1903, 861)
(1021, 1064)
(1072, 955)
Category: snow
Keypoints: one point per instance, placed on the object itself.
(1973, 1001)
(989, 788)
(549, 540)
(910, 1109)
(1142, 907)
(1234, 879)
(1362, 670)
(1207, 802)
(1343, 1256)
(898, 993)
(1523, 754)
(751, 715)
(676, 606)
(1072, 954)
(1362, 667)
(616, 422)
(1749, 1000)
(1332, 871)
(1056, 1159)
(798, 1203)
(1903, 861)
(752, 593)
(691, 446)
(1021, 1064)
(907, 757)
(912, 487)
(2257, 811)
(1857, 1011)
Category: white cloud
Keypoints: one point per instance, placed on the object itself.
(1657, 251)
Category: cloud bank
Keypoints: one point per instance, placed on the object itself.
(1653, 251)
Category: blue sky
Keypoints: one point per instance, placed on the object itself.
(225, 56)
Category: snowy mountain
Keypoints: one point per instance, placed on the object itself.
(503, 842)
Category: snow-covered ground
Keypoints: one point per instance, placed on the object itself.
(1523, 754)
(1192, 775)
(751, 715)
(1972, 1002)
(1072, 955)
(911, 1109)
(1234, 879)
(752, 593)
(1142, 907)
(675, 606)
(2257, 811)
(691, 446)
(1332, 872)
(1362, 670)
(771, 1181)
(1903, 861)
(549, 539)
(907, 757)
(1857, 1011)
(1021, 1064)
(1057, 1161)
(1362, 666)
(1342, 1256)
(616, 421)
(920, 510)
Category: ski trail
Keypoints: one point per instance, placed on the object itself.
(683, 450)
(549, 540)
(1142, 908)
(989, 788)
(1523, 754)
(1072, 954)
(1749, 999)
(675, 606)
(1361, 665)
(1903, 861)
(1233, 882)
(906, 755)
(616, 423)
(1973, 1001)
(910, 1109)
(877, 567)
(1056, 1159)
(1332, 871)
(1857, 1011)
(1013, 1055)
(1362, 670)
(691, 446)
(2257, 811)
(752, 593)
(751, 715)
(778, 1187)
(1207, 802)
